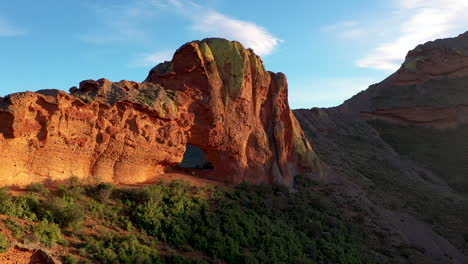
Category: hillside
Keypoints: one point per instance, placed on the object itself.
(403, 141)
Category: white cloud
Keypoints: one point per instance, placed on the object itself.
(249, 34)
(152, 59)
(129, 23)
(420, 21)
(8, 30)
(326, 92)
(215, 24)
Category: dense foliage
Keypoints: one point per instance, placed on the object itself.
(250, 224)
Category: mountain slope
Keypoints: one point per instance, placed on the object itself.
(404, 142)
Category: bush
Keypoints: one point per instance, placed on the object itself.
(168, 213)
(120, 249)
(48, 234)
(62, 212)
(253, 224)
(102, 191)
(37, 187)
(24, 207)
(74, 192)
(70, 259)
(14, 227)
(4, 243)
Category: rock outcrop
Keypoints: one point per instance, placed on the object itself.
(119, 132)
(242, 118)
(215, 94)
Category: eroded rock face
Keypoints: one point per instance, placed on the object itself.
(107, 132)
(215, 94)
(242, 118)
(429, 89)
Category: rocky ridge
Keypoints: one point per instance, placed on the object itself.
(214, 94)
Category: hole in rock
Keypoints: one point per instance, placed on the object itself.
(195, 158)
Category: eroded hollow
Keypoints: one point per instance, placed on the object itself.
(195, 158)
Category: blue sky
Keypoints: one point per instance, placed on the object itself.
(329, 50)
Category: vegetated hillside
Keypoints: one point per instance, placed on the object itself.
(404, 142)
(173, 222)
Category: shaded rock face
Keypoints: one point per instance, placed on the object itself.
(403, 141)
(242, 119)
(214, 94)
(429, 89)
(115, 137)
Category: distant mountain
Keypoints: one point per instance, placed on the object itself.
(404, 142)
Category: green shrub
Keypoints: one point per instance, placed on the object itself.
(73, 192)
(14, 227)
(253, 224)
(70, 259)
(37, 188)
(120, 249)
(48, 234)
(4, 243)
(60, 211)
(102, 191)
(24, 207)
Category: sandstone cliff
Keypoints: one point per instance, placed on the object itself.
(215, 94)
(242, 117)
(105, 134)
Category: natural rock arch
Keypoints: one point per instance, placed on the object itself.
(242, 118)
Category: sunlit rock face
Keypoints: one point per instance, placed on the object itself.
(214, 94)
(242, 118)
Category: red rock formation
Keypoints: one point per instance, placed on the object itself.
(115, 137)
(429, 88)
(242, 117)
(214, 94)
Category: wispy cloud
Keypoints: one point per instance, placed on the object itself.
(8, 30)
(326, 92)
(124, 23)
(420, 21)
(248, 33)
(212, 23)
(152, 59)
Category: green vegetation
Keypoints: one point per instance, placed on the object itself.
(24, 207)
(47, 233)
(174, 222)
(4, 243)
(14, 227)
(396, 165)
(119, 249)
(70, 259)
(231, 61)
(37, 188)
(64, 212)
